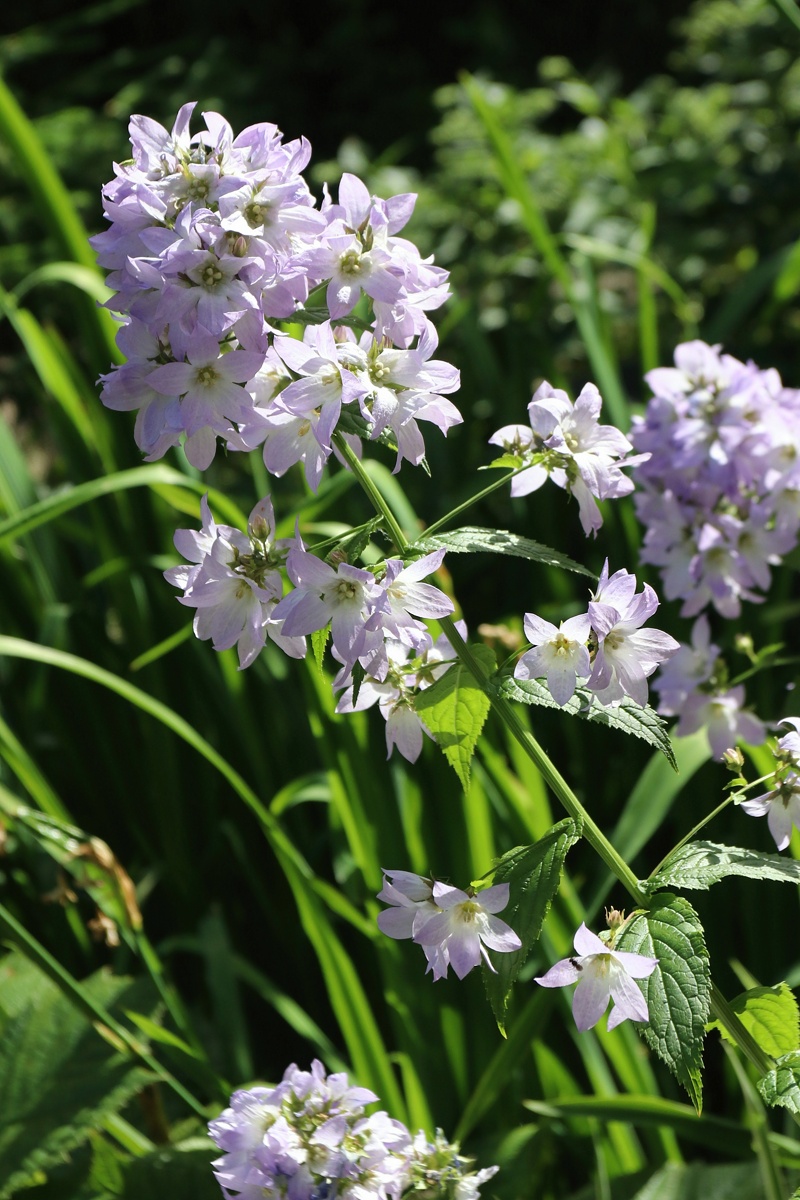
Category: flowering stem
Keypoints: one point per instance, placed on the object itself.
(552, 777)
(720, 1007)
(487, 491)
(378, 502)
(700, 825)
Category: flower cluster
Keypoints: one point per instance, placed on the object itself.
(693, 687)
(236, 586)
(602, 973)
(214, 237)
(410, 671)
(566, 442)
(235, 583)
(781, 805)
(309, 1139)
(453, 927)
(622, 656)
(719, 493)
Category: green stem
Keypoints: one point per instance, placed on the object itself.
(505, 711)
(696, 829)
(720, 1007)
(487, 491)
(378, 502)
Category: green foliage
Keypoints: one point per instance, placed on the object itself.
(181, 1171)
(781, 1085)
(454, 709)
(628, 717)
(679, 990)
(771, 1015)
(473, 540)
(58, 1078)
(699, 1182)
(701, 864)
(533, 874)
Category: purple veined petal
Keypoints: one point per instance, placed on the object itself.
(425, 566)
(629, 1003)
(638, 966)
(586, 942)
(464, 949)
(424, 600)
(200, 448)
(561, 974)
(497, 935)
(447, 896)
(494, 899)
(397, 923)
(590, 999)
(403, 730)
(355, 199)
(780, 823)
(758, 806)
(415, 887)
(562, 681)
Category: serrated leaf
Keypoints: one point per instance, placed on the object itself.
(58, 1078)
(474, 540)
(628, 717)
(533, 874)
(781, 1085)
(701, 864)
(105, 1174)
(679, 990)
(454, 709)
(319, 640)
(770, 1015)
(697, 1181)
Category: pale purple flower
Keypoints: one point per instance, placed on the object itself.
(781, 807)
(464, 928)
(234, 584)
(789, 744)
(626, 655)
(411, 903)
(688, 669)
(345, 598)
(601, 974)
(724, 717)
(559, 654)
(567, 442)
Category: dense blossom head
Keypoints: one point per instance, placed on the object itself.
(718, 492)
(567, 443)
(213, 239)
(309, 1138)
(622, 655)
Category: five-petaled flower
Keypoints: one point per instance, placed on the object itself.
(453, 927)
(602, 973)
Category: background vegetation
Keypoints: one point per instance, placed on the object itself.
(596, 203)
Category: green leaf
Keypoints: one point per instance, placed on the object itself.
(679, 990)
(454, 710)
(770, 1015)
(628, 716)
(696, 1181)
(105, 1174)
(182, 1172)
(319, 640)
(533, 874)
(474, 540)
(58, 1079)
(781, 1085)
(701, 864)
